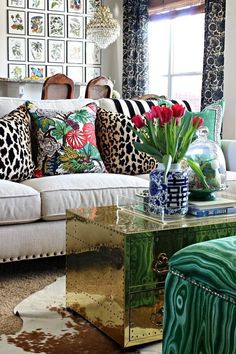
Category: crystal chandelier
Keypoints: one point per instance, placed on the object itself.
(103, 29)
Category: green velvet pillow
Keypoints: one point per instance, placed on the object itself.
(213, 118)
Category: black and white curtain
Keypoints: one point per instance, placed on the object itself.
(213, 61)
(135, 47)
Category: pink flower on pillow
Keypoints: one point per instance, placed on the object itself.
(89, 132)
(76, 138)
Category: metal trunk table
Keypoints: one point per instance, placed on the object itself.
(117, 262)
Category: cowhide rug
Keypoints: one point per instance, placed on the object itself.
(49, 328)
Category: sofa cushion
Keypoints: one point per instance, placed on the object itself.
(66, 142)
(16, 162)
(115, 143)
(63, 105)
(19, 203)
(59, 193)
(8, 104)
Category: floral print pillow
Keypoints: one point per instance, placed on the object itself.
(65, 142)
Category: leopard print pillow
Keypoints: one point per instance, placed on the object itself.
(16, 162)
(114, 140)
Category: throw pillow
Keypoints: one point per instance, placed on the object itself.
(66, 142)
(213, 119)
(114, 138)
(16, 162)
(131, 107)
(128, 107)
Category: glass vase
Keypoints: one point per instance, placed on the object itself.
(172, 195)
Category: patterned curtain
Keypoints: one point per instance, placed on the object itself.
(213, 61)
(135, 47)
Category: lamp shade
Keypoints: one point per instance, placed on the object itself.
(103, 29)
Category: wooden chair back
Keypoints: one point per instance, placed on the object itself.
(58, 86)
(99, 87)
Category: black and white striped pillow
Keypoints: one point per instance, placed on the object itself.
(132, 107)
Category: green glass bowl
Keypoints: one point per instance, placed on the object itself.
(204, 194)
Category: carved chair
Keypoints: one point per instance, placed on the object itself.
(99, 87)
(58, 86)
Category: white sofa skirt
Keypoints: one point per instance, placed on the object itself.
(34, 240)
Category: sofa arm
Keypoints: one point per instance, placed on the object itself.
(229, 150)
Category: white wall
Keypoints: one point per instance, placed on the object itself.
(229, 124)
(112, 57)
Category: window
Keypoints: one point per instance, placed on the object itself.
(176, 57)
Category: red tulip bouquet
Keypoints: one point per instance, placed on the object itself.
(165, 135)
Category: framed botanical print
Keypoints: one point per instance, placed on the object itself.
(87, 20)
(36, 4)
(36, 23)
(17, 71)
(56, 25)
(56, 5)
(93, 54)
(16, 22)
(75, 6)
(16, 3)
(75, 73)
(75, 26)
(74, 52)
(92, 6)
(56, 51)
(36, 50)
(54, 69)
(91, 72)
(16, 49)
(37, 71)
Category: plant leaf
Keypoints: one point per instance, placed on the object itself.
(195, 167)
(167, 160)
(148, 149)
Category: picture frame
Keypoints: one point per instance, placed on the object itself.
(16, 22)
(87, 20)
(36, 23)
(56, 25)
(36, 4)
(16, 49)
(74, 52)
(75, 26)
(56, 5)
(16, 3)
(76, 6)
(16, 71)
(54, 69)
(91, 72)
(93, 54)
(75, 73)
(92, 6)
(36, 50)
(36, 72)
(56, 51)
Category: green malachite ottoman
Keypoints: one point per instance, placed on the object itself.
(200, 299)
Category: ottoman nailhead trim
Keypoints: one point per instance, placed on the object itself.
(205, 288)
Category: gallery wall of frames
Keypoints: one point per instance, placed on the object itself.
(45, 37)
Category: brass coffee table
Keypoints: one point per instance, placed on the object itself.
(117, 262)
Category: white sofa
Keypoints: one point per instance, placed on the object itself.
(32, 212)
